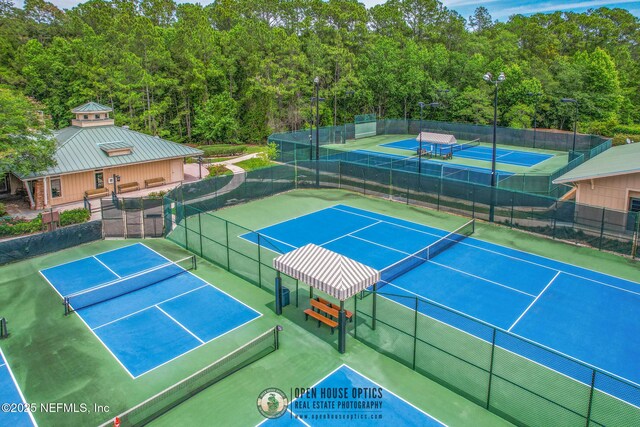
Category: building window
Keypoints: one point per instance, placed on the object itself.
(634, 204)
(97, 116)
(100, 179)
(86, 117)
(56, 187)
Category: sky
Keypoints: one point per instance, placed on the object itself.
(499, 9)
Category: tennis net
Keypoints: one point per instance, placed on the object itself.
(171, 397)
(414, 260)
(125, 285)
(466, 145)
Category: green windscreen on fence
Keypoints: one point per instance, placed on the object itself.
(365, 125)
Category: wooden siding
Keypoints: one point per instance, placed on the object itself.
(74, 185)
(612, 192)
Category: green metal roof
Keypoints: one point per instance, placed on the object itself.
(91, 107)
(80, 149)
(621, 160)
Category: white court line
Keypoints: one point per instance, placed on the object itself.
(382, 246)
(480, 278)
(534, 301)
(92, 256)
(13, 378)
(349, 233)
(107, 267)
(180, 324)
(148, 307)
(466, 242)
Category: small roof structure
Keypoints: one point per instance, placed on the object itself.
(621, 160)
(437, 138)
(327, 271)
(92, 107)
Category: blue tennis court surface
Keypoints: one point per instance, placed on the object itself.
(153, 325)
(380, 406)
(584, 314)
(430, 167)
(10, 394)
(511, 157)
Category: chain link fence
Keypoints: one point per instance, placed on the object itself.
(300, 146)
(522, 381)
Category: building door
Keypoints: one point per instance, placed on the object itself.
(4, 184)
(176, 171)
(99, 179)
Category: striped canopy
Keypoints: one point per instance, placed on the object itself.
(437, 138)
(327, 271)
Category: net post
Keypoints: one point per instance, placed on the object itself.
(226, 228)
(67, 307)
(4, 333)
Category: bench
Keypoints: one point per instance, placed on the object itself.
(129, 186)
(320, 318)
(347, 313)
(154, 182)
(96, 192)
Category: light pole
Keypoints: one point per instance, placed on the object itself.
(575, 120)
(536, 98)
(311, 130)
(488, 77)
(316, 82)
(199, 167)
(421, 105)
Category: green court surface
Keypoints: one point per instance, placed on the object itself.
(56, 359)
(374, 143)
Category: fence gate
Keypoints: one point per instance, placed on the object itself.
(132, 217)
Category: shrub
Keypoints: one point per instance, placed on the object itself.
(157, 194)
(74, 216)
(223, 151)
(3, 210)
(217, 170)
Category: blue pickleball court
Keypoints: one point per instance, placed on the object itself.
(379, 407)
(166, 311)
(10, 394)
(584, 314)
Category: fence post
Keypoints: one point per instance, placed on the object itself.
(226, 226)
(339, 174)
(493, 349)
(513, 203)
(415, 332)
(604, 210)
(593, 382)
(186, 226)
(200, 233)
(355, 315)
(259, 264)
(555, 219)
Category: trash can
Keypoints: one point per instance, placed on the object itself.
(285, 296)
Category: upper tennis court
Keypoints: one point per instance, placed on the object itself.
(560, 306)
(472, 150)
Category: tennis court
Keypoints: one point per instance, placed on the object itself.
(145, 309)
(584, 314)
(469, 150)
(429, 166)
(385, 407)
(10, 394)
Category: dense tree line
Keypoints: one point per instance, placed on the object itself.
(237, 70)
